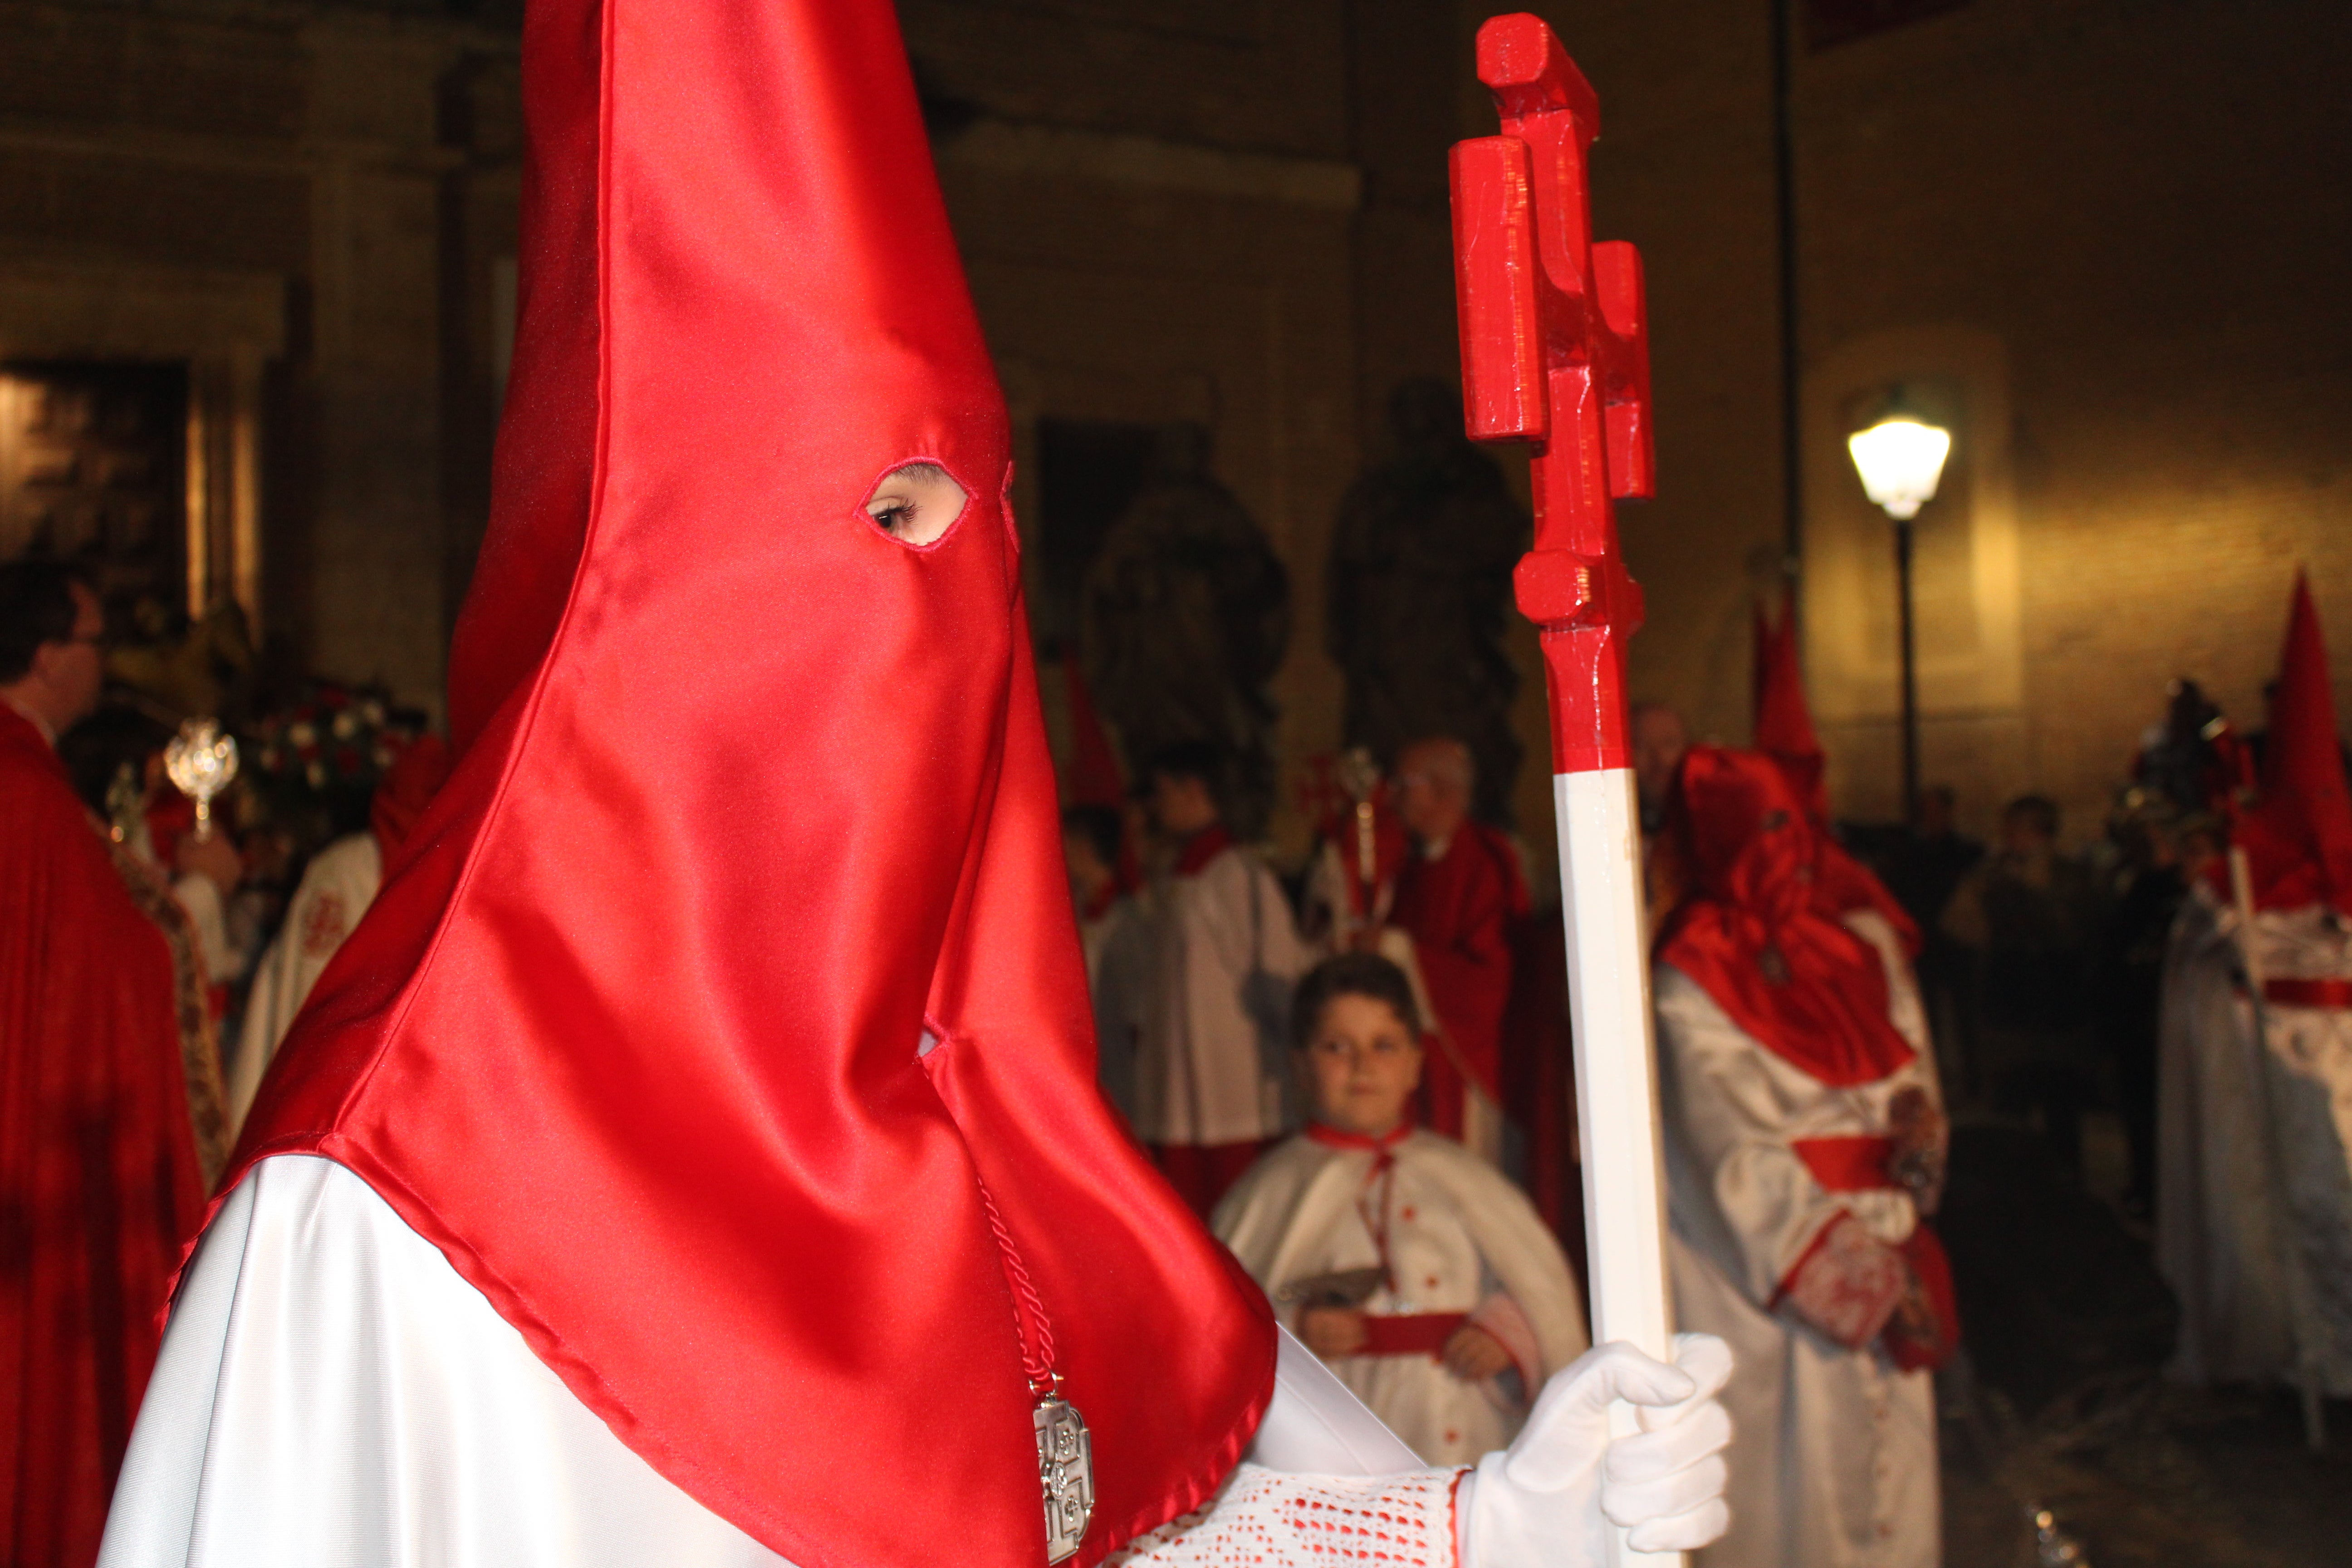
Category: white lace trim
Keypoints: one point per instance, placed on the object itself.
(1269, 1520)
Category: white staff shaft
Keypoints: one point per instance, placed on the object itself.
(1616, 1077)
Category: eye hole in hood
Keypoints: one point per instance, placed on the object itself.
(915, 503)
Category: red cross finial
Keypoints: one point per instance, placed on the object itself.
(1555, 351)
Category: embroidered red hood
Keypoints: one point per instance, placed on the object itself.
(751, 797)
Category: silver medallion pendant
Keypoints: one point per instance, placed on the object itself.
(1065, 1467)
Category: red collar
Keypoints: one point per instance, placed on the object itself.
(1333, 1137)
(1202, 848)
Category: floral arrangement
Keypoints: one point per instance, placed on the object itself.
(322, 754)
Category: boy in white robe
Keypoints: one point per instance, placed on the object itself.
(1426, 1280)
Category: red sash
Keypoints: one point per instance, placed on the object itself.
(2335, 993)
(1858, 1165)
(1850, 1164)
(1410, 1333)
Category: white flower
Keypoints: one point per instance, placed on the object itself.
(303, 734)
(345, 726)
(317, 773)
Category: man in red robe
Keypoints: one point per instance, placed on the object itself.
(1460, 896)
(100, 1178)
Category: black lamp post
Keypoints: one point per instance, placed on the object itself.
(1901, 460)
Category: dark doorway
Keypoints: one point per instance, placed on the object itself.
(93, 469)
(1087, 472)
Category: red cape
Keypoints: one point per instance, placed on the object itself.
(100, 1186)
(1463, 912)
(751, 799)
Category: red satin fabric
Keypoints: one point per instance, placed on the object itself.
(406, 789)
(749, 797)
(99, 1180)
(1754, 935)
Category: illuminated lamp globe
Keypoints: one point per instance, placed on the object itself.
(1900, 459)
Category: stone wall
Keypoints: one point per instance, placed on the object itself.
(303, 206)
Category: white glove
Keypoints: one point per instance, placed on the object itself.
(1547, 1500)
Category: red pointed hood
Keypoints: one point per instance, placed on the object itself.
(1784, 732)
(2298, 838)
(1784, 723)
(751, 799)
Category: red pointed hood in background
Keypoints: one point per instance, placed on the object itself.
(2298, 838)
(751, 799)
(1784, 723)
(1784, 732)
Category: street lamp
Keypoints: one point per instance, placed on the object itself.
(1901, 459)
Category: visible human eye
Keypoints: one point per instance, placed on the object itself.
(915, 503)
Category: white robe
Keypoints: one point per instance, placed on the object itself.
(1460, 1239)
(332, 1394)
(1208, 1069)
(2222, 1241)
(340, 882)
(1833, 1457)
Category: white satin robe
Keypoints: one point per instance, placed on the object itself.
(2224, 1241)
(1833, 1458)
(332, 1394)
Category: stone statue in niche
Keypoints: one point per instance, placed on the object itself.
(1420, 584)
(1186, 619)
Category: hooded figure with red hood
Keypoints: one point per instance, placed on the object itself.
(637, 1188)
(1805, 1146)
(2254, 1128)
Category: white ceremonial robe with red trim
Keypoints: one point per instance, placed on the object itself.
(333, 1394)
(2232, 1221)
(1834, 1461)
(1209, 1070)
(1460, 1239)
